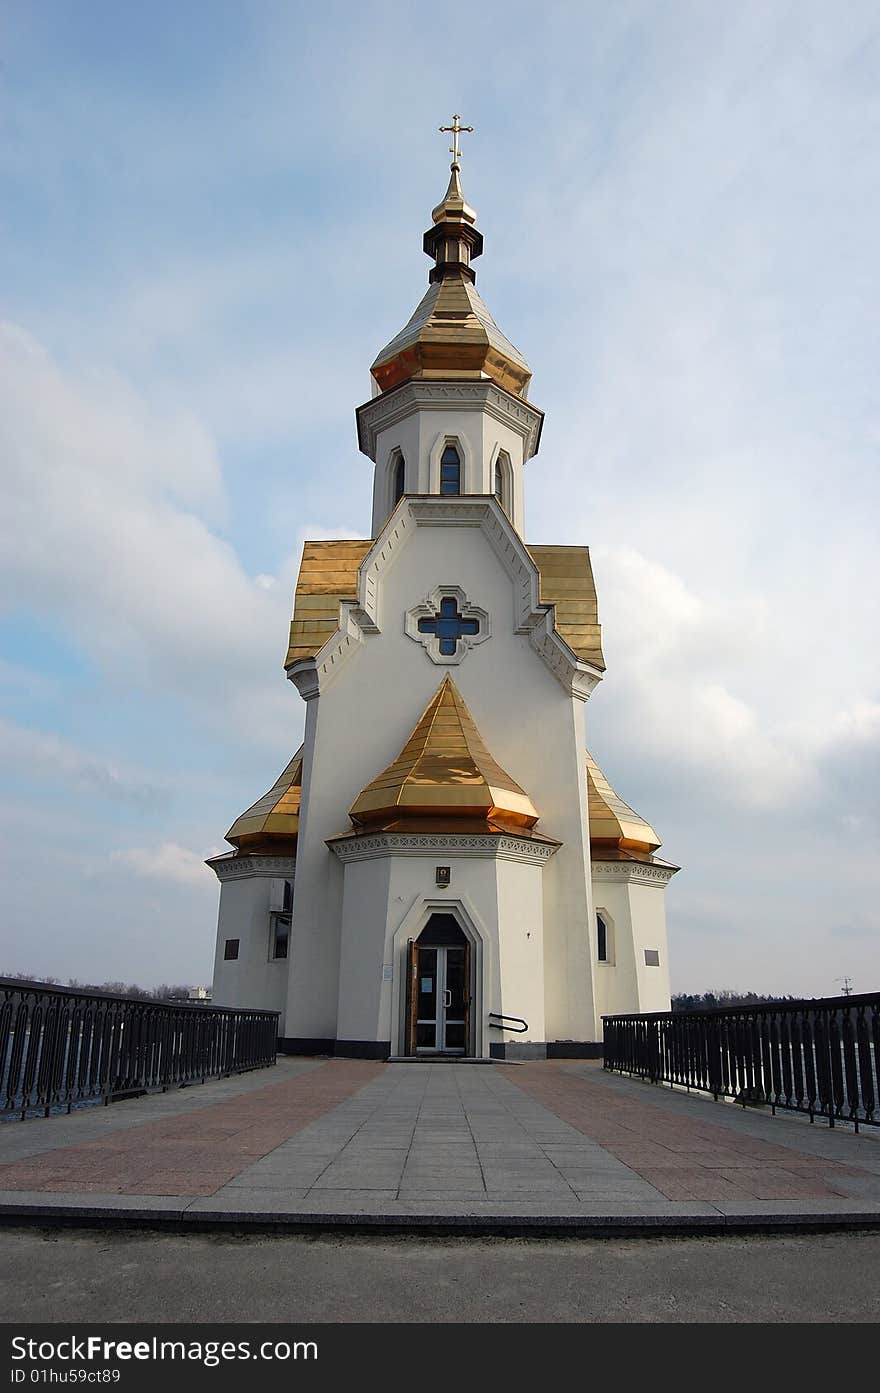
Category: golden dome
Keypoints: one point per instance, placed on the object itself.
(274, 818)
(452, 334)
(445, 771)
(613, 823)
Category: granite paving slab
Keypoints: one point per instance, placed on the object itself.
(556, 1144)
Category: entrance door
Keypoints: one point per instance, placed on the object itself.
(441, 1002)
(440, 993)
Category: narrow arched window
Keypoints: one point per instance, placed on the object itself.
(601, 939)
(502, 476)
(450, 471)
(399, 480)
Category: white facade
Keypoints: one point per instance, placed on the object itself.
(247, 924)
(517, 908)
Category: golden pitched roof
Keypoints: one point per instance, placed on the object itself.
(275, 816)
(567, 584)
(452, 335)
(444, 770)
(328, 574)
(613, 823)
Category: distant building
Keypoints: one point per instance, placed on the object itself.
(443, 853)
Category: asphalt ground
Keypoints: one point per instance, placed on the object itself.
(71, 1275)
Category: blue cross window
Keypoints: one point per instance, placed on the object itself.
(450, 471)
(449, 626)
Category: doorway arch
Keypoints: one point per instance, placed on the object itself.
(440, 995)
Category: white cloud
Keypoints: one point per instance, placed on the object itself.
(167, 862)
(99, 526)
(673, 674)
(43, 755)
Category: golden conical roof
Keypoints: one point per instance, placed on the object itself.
(613, 823)
(452, 334)
(444, 770)
(274, 818)
(452, 205)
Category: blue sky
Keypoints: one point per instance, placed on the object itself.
(211, 219)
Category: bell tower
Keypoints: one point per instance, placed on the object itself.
(450, 415)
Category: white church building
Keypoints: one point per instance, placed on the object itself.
(442, 869)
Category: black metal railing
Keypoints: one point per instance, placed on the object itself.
(817, 1057)
(60, 1047)
(497, 1022)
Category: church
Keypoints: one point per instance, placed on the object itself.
(442, 870)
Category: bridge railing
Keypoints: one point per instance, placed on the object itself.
(60, 1047)
(817, 1057)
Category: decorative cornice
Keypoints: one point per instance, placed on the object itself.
(383, 412)
(629, 872)
(473, 846)
(360, 618)
(234, 867)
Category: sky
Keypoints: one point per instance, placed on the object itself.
(210, 221)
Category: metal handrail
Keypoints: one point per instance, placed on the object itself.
(514, 1030)
(818, 1057)
(62, 1047)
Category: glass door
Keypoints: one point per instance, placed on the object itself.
(441, 1001)
(427, 1001)
(455, 1001)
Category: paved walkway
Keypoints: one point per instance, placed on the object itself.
(547, 1144)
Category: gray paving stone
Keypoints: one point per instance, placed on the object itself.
(452, 1143)
(230, 1201)
(14, 1201)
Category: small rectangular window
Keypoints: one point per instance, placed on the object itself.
(601, 939)
(230, 952)
(652, 957)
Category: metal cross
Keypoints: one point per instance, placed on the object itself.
(455, 129)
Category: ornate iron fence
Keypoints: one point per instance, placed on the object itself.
(60, 1047)
(817, 1057)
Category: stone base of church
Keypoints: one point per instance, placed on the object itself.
(381, 1049)
(340, 1049)
(547, 1049)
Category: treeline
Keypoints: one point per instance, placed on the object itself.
(705, 1001)
(166, 992)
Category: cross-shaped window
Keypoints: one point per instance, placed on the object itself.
(449, 626)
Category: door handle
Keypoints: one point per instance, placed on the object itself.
(448, 994)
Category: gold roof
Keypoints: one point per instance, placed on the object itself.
(613, 823)
(275, 816)
(444, 770)
(328, 574)
(567, 584)
(452, 334)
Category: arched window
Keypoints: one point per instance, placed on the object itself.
(450, 471)
(601, 939)
(399, 481)
(502, 475)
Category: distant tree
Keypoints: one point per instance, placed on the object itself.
(30, 977)
(130, 989)
(707, 1001)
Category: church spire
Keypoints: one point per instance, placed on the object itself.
(452, 335)
(453, 241)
